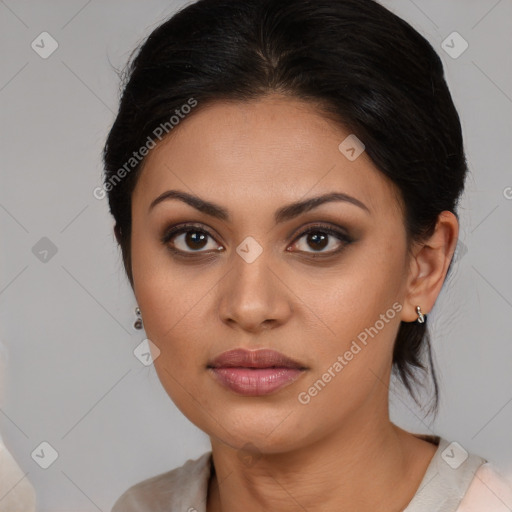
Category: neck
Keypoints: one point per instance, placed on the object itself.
(374, 467)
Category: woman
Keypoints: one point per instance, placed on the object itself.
(284, 177)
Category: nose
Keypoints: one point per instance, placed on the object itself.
(253, 296)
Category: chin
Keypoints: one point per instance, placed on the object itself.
(267, 431)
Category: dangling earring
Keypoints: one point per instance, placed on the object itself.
(421, 317)
(138, 322)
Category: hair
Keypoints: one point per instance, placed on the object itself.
(357, 62)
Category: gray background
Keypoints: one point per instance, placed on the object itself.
(66, 323)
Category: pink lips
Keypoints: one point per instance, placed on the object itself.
(255, 372)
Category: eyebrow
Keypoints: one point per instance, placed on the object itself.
(283, 214)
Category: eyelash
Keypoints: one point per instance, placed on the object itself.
(174, 231)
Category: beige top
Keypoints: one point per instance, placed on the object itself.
(454, 482)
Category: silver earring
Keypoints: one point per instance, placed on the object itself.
(421, 317)
(138, 323)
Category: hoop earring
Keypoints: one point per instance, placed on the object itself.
(138, 323)
(421, 317)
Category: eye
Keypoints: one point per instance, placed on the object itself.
(189, 239)
(319, 237)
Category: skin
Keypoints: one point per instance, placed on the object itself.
(339, 452)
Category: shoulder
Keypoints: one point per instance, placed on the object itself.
(447, 478)
(489, 490)
(185, 486)
(459, 481)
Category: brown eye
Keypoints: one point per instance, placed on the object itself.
(318, 238)
(189, 240)
(195, 239)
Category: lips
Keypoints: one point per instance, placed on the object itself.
(263, 358)
(254, 372)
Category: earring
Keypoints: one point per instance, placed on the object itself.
(138, 323)
(421, 317)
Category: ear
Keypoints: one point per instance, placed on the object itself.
(428, 266)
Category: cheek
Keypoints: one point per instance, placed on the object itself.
(169, 323)
(352, 367)
(157, 285)
(359, 308)
(352, 297)
(162, 300)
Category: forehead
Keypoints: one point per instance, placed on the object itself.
(272, 150)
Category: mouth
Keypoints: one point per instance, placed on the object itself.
(255, 372)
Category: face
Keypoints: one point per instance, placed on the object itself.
(322, 285)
